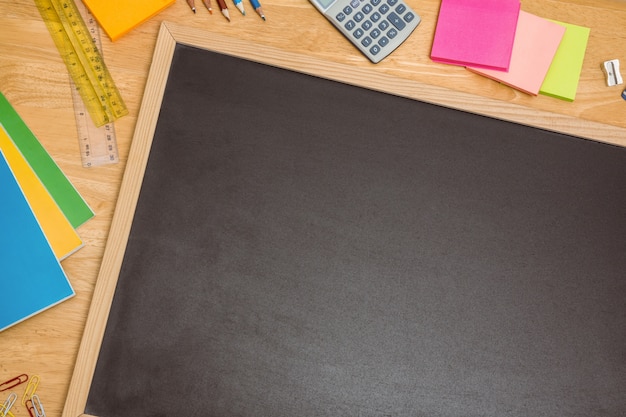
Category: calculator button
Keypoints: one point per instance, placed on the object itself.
(383, 9)
(401, 9)
(383, 25)
(392, 33)
(396, 21)
(347, 10)
(375, 2)
(350, 25)
(409, 17)
(358, 33)
(375, 49)
(340, 17)
(359, 16)
(375, 17)
(392, 2)
(383, 41)
(375, 33)
(367, 8)
(367, 25)
(367, 41)
(354, 4)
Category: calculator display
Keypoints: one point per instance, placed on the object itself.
(324, 3)
(375, 27)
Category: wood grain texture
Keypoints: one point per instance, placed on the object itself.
(120, 228)
(34, 80)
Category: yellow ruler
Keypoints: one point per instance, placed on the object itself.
(98, 145)
(83, 60)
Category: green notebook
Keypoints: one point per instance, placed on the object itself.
(562, 78)
(63, 192)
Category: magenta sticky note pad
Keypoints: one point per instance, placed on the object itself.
(478, 33)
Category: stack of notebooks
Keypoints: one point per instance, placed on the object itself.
(39, 214)
(495, 38)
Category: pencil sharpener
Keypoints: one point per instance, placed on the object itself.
(611, 69)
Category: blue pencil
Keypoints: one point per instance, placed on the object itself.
(239, 5)
(257, 8)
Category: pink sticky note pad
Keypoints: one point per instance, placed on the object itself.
(479, 33)
(536, 43)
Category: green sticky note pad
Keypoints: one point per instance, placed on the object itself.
(58, 185)
(562, 78)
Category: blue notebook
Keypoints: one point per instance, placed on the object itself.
(31, 277)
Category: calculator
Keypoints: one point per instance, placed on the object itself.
(375, 27)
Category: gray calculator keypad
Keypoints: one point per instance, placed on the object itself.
(375, 22)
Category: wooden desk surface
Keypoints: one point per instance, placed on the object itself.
(35, 81)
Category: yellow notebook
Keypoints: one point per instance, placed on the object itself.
(60, 234)
(118, 17)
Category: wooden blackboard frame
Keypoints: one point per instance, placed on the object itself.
(170, 35)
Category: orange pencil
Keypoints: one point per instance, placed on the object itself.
(207, 3)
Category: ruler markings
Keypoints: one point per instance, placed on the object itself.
(98, 145)
(97, 102)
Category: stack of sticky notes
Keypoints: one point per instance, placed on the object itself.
(39, 214)
(476, 32)
(497, 39)
(118, 17)
(561, 81)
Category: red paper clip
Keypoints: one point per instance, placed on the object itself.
(31, 408)
(12, 383)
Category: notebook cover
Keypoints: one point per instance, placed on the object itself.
(479, 33)
(57, 229)
(562, 78)
(32, 279)
(536, 42)
(118, 17)
(67, 198)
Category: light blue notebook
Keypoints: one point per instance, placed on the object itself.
(31, 277)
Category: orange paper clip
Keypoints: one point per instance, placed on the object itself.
(12, 383)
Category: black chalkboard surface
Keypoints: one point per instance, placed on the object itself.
(302, 247)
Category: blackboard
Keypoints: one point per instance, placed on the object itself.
(304, 247)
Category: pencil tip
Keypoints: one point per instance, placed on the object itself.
(194, 10)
